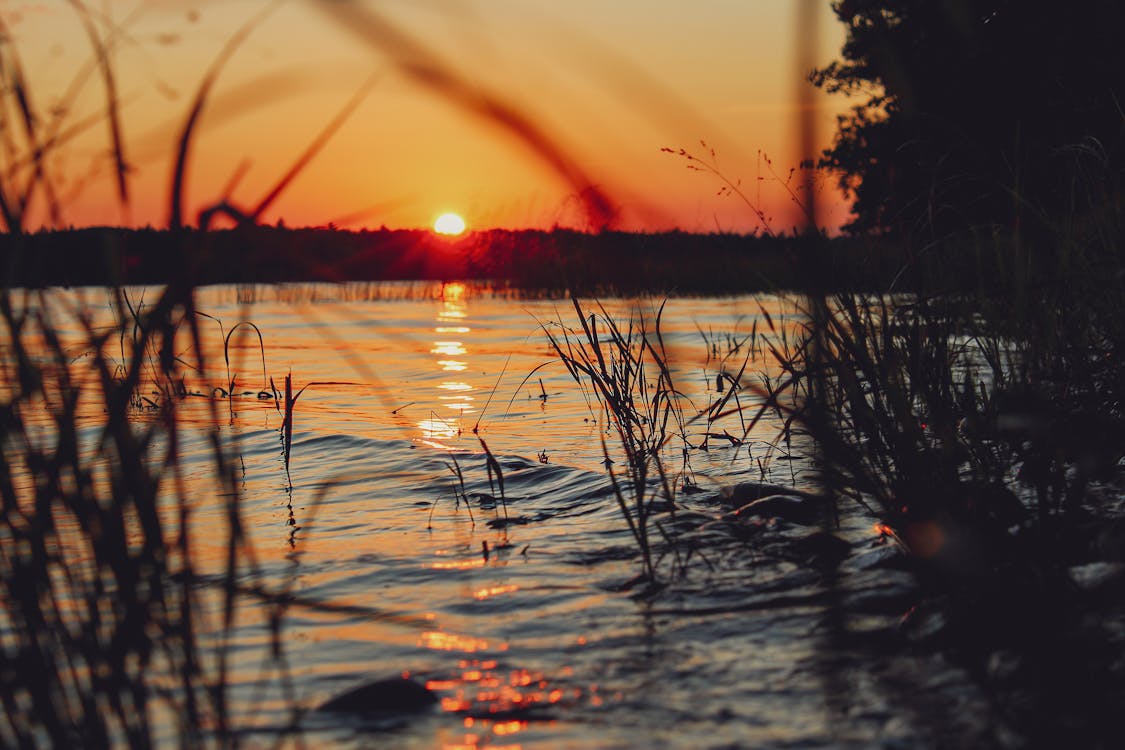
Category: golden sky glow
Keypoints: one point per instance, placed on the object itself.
(605, 84)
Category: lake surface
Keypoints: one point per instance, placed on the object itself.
(524, 614)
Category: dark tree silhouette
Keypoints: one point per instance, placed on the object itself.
(978, 113)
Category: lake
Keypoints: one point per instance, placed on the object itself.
(521, 608)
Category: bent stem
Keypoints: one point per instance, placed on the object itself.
(643, 408)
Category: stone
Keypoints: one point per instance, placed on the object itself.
(803, 511)
(744, 492)
(822, 549)
(391, 697)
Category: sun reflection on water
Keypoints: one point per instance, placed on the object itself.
(501, 702)
(454, 395)
(491, 591)
(469, 564)
(452, 348)
(437, 640)
(437, 429)
(496, 702)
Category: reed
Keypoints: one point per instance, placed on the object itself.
(927, 397)
(985, 433)
(460, 495)
(625, 366)
(110, 632)
(99, 618)
(723, 353)
(495, 473)
(101, 615)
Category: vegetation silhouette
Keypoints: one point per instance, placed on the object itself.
(553, 262)
(977, 113)
(984, 426)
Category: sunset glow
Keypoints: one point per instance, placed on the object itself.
(539, 109)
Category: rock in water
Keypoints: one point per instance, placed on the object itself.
(822, 549)
(744, 492)
(392, 697)
(803, 511)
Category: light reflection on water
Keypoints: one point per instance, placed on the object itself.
(519, 615)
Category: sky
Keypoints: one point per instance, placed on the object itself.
(510, 113)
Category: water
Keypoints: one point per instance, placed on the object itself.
(525, 614)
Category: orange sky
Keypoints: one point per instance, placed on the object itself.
(605, 85)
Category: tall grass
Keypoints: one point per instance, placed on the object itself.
(976, 430)
(110, 632)
(625, 367)
(981, 424)
(965, 425)
(935, 404)
(99, 619)
(102, 621)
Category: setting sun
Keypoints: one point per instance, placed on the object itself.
(450, 224)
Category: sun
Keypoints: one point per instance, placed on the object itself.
(450, 224)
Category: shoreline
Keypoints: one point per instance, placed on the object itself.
(560, 260)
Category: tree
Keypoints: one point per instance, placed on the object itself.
(977, 113)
